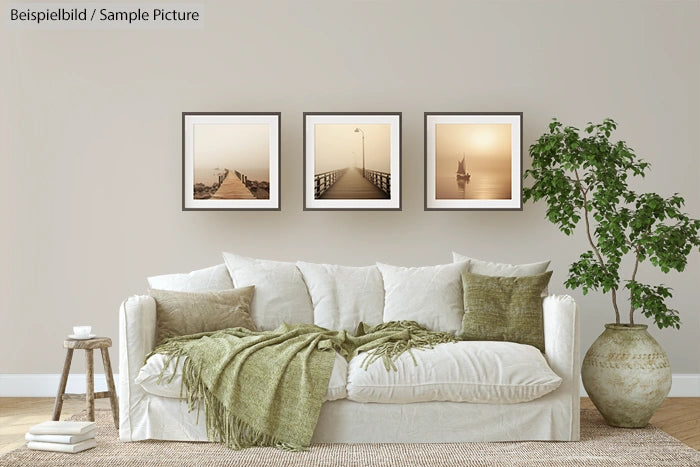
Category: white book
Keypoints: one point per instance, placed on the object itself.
(63, 439)
(73, 448)
(62, 428)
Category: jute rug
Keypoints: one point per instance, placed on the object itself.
(600, 445)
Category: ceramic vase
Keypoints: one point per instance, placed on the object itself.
(627, 375)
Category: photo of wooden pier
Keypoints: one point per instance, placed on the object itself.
(231, 161)
(242, 152)
(352, 161)
(231, 184)
(359, 157)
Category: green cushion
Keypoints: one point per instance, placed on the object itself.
(504, 308)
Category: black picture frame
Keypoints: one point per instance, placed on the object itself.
(488, 139)
(379, 146)
(226, 138)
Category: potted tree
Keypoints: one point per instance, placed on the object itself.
(583, 176)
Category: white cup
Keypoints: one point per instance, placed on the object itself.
(82, 331)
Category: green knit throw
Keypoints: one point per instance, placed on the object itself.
(266, 388)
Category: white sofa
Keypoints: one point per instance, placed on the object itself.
(554, 416)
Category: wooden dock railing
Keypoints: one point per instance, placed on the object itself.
(381, 180)
(222, 176)
(241, 177)
(323, 181)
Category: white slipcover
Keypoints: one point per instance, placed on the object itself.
(554, 416)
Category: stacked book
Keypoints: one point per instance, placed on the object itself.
(64, 436)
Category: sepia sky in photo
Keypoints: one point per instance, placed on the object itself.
(337, 146)
(487, 147)
(234, 146)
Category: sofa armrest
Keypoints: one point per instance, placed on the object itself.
(137, 335)
(562, 348)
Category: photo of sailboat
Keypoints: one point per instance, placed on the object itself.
(483, 156)
(473, 160)
(462, 173)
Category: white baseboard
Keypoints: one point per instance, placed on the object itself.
(46, 385)
(12, 385)
(682, 385)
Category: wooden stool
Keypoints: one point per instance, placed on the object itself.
(88, 345)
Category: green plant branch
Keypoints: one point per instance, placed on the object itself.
(613, 291)
(637, 257)
(634, 275)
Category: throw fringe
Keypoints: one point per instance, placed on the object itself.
(222, 425)
(417, 338)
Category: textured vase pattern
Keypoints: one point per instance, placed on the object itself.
(627, 375)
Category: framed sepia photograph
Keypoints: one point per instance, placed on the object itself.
(352, 161)
(473, 161)
(230, 161)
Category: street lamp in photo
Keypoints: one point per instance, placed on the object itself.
(359, 130)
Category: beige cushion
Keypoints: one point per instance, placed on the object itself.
(481, 372)
(211, 279)
(504, 308)
(343, 296)
(431, 295)
(168, 385)
(280, 292)
(182, 313)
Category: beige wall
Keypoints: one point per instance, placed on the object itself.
(90, 142)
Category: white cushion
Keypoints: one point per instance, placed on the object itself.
(343, 296)
(468, 371)
(488, 268)
(431, 296)
(280, 292)
(212, 279)
(150, 373)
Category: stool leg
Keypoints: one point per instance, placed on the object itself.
(90, 384)
(58, 405)
(110, 386)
